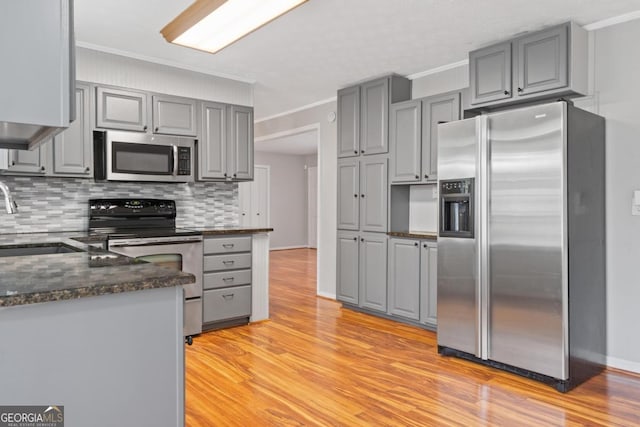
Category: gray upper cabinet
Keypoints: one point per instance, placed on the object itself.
(373, 271)
(226, 149)
(542, 61)
(404, 278)
(173, 115)
(428, 282)
(347, 267)
(212, 150)
(373, 193)
(349, 122)
(28, 162)
(241, 142)
(548, 63)
(436, 110)
(414, 136)
(490, 73)
(406, 141)
(374, 117)
(348, 194)
(73, 149)
(121, 109)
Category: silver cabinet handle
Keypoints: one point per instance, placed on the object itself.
(228, 296)
(228, 279)
(228, 245)
(228, 262)
(175, 160)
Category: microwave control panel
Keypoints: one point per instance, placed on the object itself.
(184, 161)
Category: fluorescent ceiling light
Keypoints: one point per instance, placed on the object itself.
(211, 25)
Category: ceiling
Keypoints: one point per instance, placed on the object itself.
(300, 144)
(305, 55)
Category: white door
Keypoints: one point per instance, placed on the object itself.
(254, 199)
(312, 203)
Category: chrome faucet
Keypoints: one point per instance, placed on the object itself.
(11, 206)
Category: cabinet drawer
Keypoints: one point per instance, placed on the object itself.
(227, 262)
(223, 245)
(228, 303)
(227, 278)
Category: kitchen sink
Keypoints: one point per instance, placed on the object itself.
(37, 249)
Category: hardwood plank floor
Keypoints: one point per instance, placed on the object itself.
(314, 363)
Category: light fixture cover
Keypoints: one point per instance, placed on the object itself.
(211, 25)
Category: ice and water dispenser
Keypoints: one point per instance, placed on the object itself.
(456, 208)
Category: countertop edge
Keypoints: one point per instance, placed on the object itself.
(414, 235)
(229, 231)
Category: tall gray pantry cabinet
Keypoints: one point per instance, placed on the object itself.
(363, 158)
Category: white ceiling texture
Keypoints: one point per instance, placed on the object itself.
(304, 56)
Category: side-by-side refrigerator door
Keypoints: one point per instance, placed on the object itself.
(458, 270)
(527, 239)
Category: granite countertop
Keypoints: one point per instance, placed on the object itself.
(423, 235)
(214, 231)
(31, 279)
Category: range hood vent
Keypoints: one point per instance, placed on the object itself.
(37, 76)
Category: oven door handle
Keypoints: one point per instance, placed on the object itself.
(152, 242)
(175, 160)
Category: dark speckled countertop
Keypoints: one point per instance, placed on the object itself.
(423, 235)
(30, 279)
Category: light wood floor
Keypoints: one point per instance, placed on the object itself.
(314, 363)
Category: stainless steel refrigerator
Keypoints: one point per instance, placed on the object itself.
(521, 245)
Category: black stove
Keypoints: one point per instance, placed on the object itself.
(135, 218)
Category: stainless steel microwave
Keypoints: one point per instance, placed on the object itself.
(132, 156)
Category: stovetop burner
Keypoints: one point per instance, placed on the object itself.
(135, 218)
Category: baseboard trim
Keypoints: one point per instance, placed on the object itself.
(625, 365)
(326, 295)
(284, 248)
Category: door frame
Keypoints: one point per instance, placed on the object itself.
(309, 206)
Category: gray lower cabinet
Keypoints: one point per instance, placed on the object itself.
(373, 271)
(225, 152)
(72, 153)
(413, 280)
(428, 282)
(174, 115)
(414, 136)
(226, 299)
(348, 251)
(121, 109)
(362, 269)
(546, 63)
(404, 278)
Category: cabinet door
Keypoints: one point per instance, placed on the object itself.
(405, 141)
(404, 278)
(240, 147)
(490, 73)
(347, 280)
(373, 271)
(373, 194)
(428, 282)
(349, 122)
(348, 194)
(374, 117)
(121, 109)
(439, 109)
(73, 148)
(174, 116)
(212, 150)
(542, 61)
(27, 162)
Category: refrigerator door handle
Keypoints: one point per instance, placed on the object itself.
(483, 237)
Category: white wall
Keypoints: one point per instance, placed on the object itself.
(288, 203)
(106, 68)
(423, 208)
(614, 68)
(327, 182)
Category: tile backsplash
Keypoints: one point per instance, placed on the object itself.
(61, 204)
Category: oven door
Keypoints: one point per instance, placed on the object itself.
(183, 254)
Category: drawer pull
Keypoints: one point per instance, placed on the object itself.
(227, 297)
(228, 245)
(229, 262)
(228, 279)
